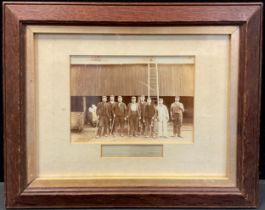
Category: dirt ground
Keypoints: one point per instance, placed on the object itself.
(88, 135)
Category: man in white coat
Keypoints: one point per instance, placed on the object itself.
(162, 117)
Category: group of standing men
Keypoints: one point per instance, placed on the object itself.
(142, 117)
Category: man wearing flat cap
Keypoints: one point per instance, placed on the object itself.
(176, 112)
(103, 117)
(149, 115)
(142, 104)
(134, 116)
(111, 120)
(120, 111)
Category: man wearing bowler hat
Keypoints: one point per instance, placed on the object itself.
(103, 117)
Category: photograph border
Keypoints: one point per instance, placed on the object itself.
(79, 30)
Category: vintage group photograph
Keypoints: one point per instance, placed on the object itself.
(132, 97)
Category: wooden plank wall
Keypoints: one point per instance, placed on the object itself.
(176, 79)
(130, 79)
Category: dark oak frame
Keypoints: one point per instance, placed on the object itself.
(248, 16)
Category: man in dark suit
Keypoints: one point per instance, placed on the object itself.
(134, 115)
(119, 112)
(142, 103)
(111, 105)
(149, 117)
(103, 116)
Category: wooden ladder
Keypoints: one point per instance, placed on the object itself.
(153, 81)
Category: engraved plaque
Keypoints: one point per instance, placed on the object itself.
(108, 150)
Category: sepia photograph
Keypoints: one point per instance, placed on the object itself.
(128, 98)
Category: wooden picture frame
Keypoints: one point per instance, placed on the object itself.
(18, 15)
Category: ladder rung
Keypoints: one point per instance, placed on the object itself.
(153, 85)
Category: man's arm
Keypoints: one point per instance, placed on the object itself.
(112, 109)
(108, 111)
(144, 111)
(182, 107)
(125, 110)
(167, 114)
(98, 109)
(154, 112)
(171, 110)
(128, 110)
(139, 110)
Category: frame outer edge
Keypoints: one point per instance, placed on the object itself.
(13, 110)
(251, 109)
(13, 106)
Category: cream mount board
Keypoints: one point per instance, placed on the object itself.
(211, 159)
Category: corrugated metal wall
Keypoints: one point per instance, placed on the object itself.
(130, 79)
